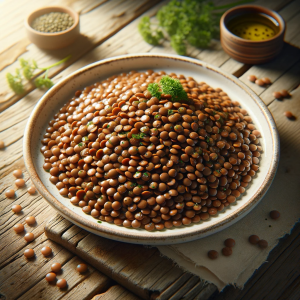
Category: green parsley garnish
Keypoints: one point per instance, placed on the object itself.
(80, 144)
(140, 186)
(180, 161)
(193, 22)
(99, 221)
(154, 88)
(108, 126)
(157, 116)
(133, 184)
(146, 174)
(28, 68)
(170, 86)
(89, 123)
(170, 112)
(207, 139)
(85, 138)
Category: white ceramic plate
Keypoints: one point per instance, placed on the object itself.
(50, 103)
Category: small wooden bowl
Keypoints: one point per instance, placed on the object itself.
(249, 51)
(55, 40)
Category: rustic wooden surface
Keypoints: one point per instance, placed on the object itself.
(109, 28)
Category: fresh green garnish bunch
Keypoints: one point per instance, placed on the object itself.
(193, 22)
(170, 86)
(27, 69)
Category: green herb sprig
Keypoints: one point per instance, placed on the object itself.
(170, 86)
(193, 22)
(27, 71)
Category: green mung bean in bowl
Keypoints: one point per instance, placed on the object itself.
(53, 22)
(52, 27)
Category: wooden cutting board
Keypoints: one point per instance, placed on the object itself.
(141, 270)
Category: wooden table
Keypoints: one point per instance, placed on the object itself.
(109, 28)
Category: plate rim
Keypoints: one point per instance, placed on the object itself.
(135, 236)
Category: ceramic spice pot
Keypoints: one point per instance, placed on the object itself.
(55, 40)
(252, 34)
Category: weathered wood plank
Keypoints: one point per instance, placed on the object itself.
(116, 292)
(94, 283)
(31, 271)
(141, 270)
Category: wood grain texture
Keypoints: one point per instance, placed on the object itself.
(116, 292)
(141, 270)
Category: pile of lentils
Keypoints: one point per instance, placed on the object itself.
(53, 22)
(131, 159)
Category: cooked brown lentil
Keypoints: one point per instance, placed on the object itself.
(229, 243)
(29, 237)
(18, 228)
(16, 208)
(213, 254)
(226, 251)
(262, 244)
(130, 159)
(30, 220)
(31, 190)
(46, 251)
(20, 182)
(61, 283)
(28, 253)
(18, 173)
(289, 115)
(56, 267)
(50, 277)
(252, 78)
(81, 268)
(253, 239)
(10, 193)
(274, 214)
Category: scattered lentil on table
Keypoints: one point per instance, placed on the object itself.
(31, 190)
(16, 208)
(277, 95)
(81, 268)
(253, 239)
(226, 251)
(212, 254)
(50, 277)
(262, 244)
(61, 283)
(18, 173)
(52, 22)
(28, 253)
(274, 214)
(56, 267)
(18, 228)
(46, 251)
(20, 182)
(285, 93)
(259, 82)
(10, 193)
(126, 157)
(266, 80)
(2, 145)
(29, 237)
(289, 115)
(252, 78)
(30, 220)
(229, 243)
